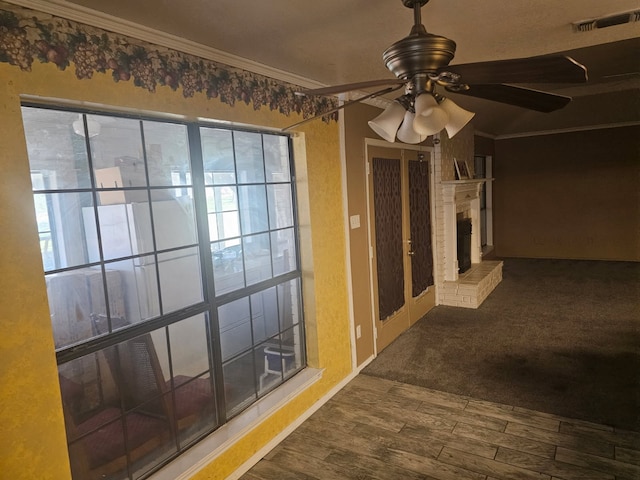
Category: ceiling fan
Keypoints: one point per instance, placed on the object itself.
(420, 62)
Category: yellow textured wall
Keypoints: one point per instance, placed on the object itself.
(33, 439)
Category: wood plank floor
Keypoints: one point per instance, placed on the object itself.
(380, 429)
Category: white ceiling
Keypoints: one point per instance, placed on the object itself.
(341, 41)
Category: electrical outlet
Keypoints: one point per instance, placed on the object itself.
(358, 331)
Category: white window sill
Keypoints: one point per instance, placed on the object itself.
(207, 450)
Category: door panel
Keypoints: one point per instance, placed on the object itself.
(387, 178)
(389, 253)
(402, 262)
(421, 253)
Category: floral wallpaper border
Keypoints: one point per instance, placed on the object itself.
(27, 36)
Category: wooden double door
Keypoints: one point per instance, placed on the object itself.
(402, 257)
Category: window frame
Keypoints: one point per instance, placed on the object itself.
(210, 301)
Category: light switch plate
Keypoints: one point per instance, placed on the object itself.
(355, 221)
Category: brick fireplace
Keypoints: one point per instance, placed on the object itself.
(456, 200)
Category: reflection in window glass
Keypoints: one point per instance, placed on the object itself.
(124, 229)
(228, 265)
(173, 219)
(249, 159)
(125, 396)
(283, 251)
(136, 295)
(116, 200)
(76, 244)
(73, 297)
(264, 315)
(180, 279)
(253, 209)
(234, 322)
(167, 150)
(276, 158)
(189, 351)
(240, 383)
(116, 153)
(280, 208)
(222, 207)
(218, 157)
(194, 402)
(291, 341)
(278, 358)
(264, 244)
(289, 301)
(56, 147)
(257, 258)
(48, 252)
(263, 343)
(224, 225)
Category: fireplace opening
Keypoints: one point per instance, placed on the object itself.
(464, 244)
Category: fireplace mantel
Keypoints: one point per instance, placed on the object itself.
(459, 191)
(461, 196)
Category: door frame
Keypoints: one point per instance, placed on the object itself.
(371, 142)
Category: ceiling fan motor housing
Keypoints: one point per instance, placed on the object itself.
(418, 53)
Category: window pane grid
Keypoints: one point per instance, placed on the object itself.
(142, 355)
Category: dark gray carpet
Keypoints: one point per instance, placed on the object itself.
(557, 336)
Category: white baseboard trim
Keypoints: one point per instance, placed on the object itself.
(246, 466)
(364, 364)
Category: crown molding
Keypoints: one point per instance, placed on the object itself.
(87, 16)
(508, 136)
(586, 128)
(478, 133)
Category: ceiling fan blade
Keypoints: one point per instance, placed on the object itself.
(543, 69)
(345, 105)
(518, 96)
(348, 87)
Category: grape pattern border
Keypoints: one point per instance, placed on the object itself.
(27, 36)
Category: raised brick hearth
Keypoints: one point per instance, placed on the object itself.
(473, 286)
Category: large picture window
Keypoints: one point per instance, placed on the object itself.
(171, 263)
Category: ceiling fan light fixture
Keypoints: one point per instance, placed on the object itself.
(430, 118)
(386, 124)
(406, 133)
(423, 102)
(458, 116)
(421, 61)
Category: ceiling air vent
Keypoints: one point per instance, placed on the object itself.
(606, 21)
